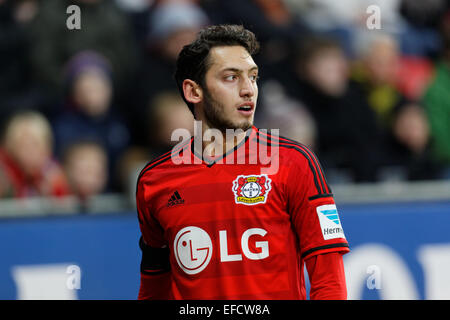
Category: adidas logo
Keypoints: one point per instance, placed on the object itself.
(175, 199)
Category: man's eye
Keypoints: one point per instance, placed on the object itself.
(254, 78)
(230, 78)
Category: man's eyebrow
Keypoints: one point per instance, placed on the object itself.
(239, 70)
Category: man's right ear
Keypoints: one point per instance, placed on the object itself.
(192, 91)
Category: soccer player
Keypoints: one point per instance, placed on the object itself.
(216, 225)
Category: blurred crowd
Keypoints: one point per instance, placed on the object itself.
(82, 109)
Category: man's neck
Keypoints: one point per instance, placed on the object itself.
(216, 143)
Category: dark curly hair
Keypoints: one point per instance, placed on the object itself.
(193, 60)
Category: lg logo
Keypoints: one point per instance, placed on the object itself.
(193, 248)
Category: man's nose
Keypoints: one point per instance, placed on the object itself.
(247, 88)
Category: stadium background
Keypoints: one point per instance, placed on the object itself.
(82, 110)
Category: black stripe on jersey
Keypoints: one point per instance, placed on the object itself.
(319, 196)
(154, 260)
(327, 246)
(318, 170)
(316, 181)
(326, 187)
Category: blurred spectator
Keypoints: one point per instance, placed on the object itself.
(411, 128)
(348, 135)
(104, 29)
(86, 167)
(27, 167)
(89, 113)
(166, 113)
(377, 72)
(276, 110)
(409, 153)
(437, 99)
(172, 24)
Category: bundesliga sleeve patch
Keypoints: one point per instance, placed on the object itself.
(329, 222)
(251, 190)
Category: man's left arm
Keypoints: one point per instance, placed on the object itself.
(327, 277)
(316, 220)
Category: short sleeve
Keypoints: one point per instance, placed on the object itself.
(312, 208)
(152, 232)
(155, 253)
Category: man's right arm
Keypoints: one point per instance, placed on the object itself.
(155, 265)
(155, 273)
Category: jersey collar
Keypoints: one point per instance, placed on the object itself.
(250, 134)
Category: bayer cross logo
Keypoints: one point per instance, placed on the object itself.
(192, 249)
(251, 190)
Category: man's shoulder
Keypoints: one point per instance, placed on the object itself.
(162, 161)
(169, 160)
(289, 150)
(299, 158)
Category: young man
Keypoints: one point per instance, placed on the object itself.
(216, 226)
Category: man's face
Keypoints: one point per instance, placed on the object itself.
(231, 91)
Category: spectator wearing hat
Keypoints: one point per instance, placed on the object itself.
(88, 113)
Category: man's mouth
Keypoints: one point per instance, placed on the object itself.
(246, 108)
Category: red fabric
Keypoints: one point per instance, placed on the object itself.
(155, 287)
(414, 75)
(327, 277)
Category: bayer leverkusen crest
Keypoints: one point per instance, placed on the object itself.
(251, 190)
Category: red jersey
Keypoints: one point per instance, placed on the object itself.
(233, 229)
